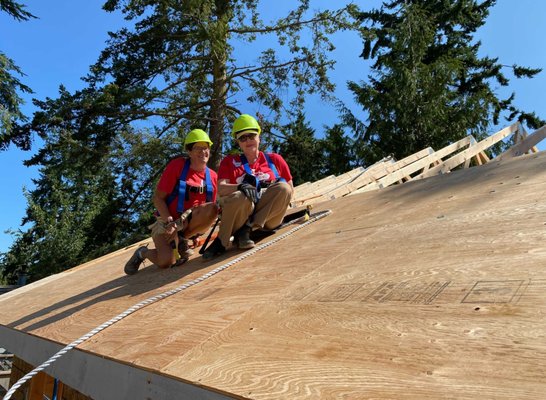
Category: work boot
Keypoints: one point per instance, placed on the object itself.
(184, 247)
(242, 238)
(215, 249)
(134, 262)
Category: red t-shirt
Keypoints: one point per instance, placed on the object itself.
(232, 169)
(170, 178)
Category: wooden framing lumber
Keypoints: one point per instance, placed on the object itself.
(301, 188)
(375, 174)
(329, 192)
(318, 192)
(472, 151)
(422, 164)
(311, 192)
(311, 188)
(368, 175)
(480, 158)
(324, 186)
(521, 135)
(525, 145)
(372, 174)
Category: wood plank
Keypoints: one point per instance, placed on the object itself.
(37, 387)
(418, 165)
(325, 187)
(372, 173)
(525, 145)
(460, 158)
(309, 189)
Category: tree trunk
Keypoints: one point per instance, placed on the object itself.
(219, 97)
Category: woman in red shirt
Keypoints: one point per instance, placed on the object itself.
(185, 199)
(255, 189)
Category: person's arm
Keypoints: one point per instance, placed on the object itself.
(284, 171)
(225, 188)
(160, 203)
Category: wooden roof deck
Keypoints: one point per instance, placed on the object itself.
(431, 289)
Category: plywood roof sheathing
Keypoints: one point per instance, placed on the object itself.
(422, 290)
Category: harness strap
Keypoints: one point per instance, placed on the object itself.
(182, 189)
(274, 169)
(269, 163)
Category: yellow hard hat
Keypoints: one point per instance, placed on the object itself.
(197, 135)
(245, 122)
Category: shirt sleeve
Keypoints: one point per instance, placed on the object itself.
(170, 175)
(227, 169)
(282, 167)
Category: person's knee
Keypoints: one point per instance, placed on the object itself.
(165, 260)
(210, 211)
(282, 192)
(202, 219)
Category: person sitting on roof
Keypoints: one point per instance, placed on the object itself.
(255, 189)
(185, 199)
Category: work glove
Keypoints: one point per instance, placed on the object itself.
(184, 220)
(249, 191)
(250, 179)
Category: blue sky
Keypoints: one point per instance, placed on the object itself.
(58, 48)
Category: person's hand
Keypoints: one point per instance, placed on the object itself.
(249, 191)
(170, 227)
(250, 179)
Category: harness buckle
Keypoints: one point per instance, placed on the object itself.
(201, 189)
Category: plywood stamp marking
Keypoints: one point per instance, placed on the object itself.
(493, 291)
(408, 292)
(340, 292)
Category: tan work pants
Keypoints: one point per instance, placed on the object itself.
(270, 210)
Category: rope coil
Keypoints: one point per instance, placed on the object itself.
(315, 217)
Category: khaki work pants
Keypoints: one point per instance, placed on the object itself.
(237, 209)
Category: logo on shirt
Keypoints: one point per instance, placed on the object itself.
(261, 176)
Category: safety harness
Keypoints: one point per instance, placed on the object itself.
(182, 189)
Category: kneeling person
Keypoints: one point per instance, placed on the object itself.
(185, 199)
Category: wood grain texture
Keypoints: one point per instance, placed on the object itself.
(431, 289)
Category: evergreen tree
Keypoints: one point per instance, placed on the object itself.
(429, 87)
(337, 151)
(10, 85)
(172, 70)
(301, 151)
(85, 198)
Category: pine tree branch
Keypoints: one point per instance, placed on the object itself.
(277, 28)
(251, 70)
